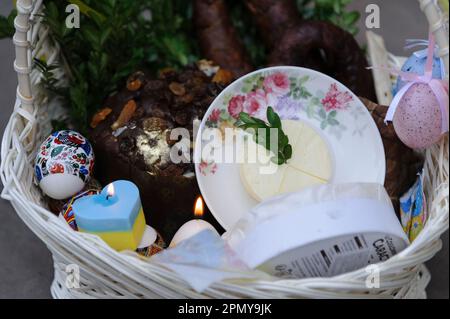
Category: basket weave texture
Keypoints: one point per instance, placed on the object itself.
(105, 273)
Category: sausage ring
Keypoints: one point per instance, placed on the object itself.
(329, 49)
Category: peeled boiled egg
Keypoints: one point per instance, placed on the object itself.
(64, 164)
(418, 118)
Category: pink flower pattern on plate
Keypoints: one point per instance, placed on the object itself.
(215, 116)
(236, 106)
(206, 168)
(277, 83)
(255, 102)
(335, 99)
(289, 96)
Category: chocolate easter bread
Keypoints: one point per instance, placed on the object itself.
(131, 136)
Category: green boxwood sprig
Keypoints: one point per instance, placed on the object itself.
(283, 150)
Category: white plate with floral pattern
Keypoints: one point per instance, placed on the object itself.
(295, 94)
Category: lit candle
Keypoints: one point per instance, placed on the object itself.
(192, 227)
(116, 215)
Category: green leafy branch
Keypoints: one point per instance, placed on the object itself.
(7, 25)
(117, 38)
(48, 77)
(261, 132)
(334, 11)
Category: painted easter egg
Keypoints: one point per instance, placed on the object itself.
(416, 64)
(56, 206)
(64, 164)
(67, 210)
(418, 118)
(93, 187)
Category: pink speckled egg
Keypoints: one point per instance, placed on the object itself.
(418, 118)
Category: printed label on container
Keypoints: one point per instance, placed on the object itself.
(335, 256)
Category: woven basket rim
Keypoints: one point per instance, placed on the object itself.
(404, 273)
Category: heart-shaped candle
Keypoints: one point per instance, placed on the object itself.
(116, 215)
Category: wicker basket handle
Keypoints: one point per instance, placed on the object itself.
(22, 63)
(437, 23)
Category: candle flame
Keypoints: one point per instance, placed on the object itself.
(198, 208)
(111, 191)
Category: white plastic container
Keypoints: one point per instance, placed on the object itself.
(320, 232)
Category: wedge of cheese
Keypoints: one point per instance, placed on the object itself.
(311, 154)
(311, 164)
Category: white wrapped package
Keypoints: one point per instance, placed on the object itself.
(204, 259)
(319, 232)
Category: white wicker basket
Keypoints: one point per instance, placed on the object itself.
(106, 273)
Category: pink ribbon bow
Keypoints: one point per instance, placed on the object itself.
(438, 87)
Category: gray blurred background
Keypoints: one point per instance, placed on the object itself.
(25, 263)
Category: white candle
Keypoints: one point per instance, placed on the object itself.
(192, 227)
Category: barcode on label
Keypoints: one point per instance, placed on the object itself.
(358, 243)
(325, 258)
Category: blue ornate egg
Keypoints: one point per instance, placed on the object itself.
(416, 64)
(64, 164)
